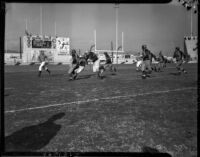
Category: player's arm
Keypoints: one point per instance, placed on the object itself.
(143, 55)
(175, 55)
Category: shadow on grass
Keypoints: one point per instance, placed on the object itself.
(113, 74)
(58, 75)
(33, 137)
(6, 94)
(84, 76)
(149, 150)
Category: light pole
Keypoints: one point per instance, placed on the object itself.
(55, 29)
(191, 20)
(192, 6)
(116, 16)
(40, 19)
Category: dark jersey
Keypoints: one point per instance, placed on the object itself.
(92, 56)
(42, 58)
(161, 57)
(146, 55)
(108, 59)
(178, 54)
(152, 56)
(74, 58)
(82, 61)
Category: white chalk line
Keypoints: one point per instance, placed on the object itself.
(98, 99)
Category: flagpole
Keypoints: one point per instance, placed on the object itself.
(116, 15)
(191, 33)
(26, 25)
(122, 41)
(95, 42)
(55, 29)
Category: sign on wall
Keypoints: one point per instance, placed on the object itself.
(62, 45)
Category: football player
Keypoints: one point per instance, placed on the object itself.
(108, 63)
(179, 56)
(162, 61)
(96, 64)
(146, 64)
(80, 66)
(73, 64)
(43, 59)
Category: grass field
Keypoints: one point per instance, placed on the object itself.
(120, 113)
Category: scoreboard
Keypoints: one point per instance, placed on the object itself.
(41, 44)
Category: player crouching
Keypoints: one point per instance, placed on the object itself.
(43, 59)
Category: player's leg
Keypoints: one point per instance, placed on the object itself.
(112, 68)
(143, 69)
(71, 71)
(182, 69)
(40, 68)
(106, 66)
(159, 66)
(148, 65)
(46, 68)
(97, 69)
(78, 71)
(178, 66)
(138, 65)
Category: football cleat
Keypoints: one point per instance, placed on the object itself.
(75, 76)
(143, 76)
(185, 72)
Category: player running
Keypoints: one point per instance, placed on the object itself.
(179, 56)
(146, 64)
(73, 64)
(153, 66)
(139, 62)
(162, 61)
(43, 59)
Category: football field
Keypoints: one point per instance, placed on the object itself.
(120, 113)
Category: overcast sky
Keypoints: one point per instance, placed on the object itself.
(159, 26)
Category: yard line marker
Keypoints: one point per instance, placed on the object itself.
(98, 99)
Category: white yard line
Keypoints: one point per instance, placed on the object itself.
(98, 99)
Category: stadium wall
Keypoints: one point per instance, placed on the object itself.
(191, 47)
